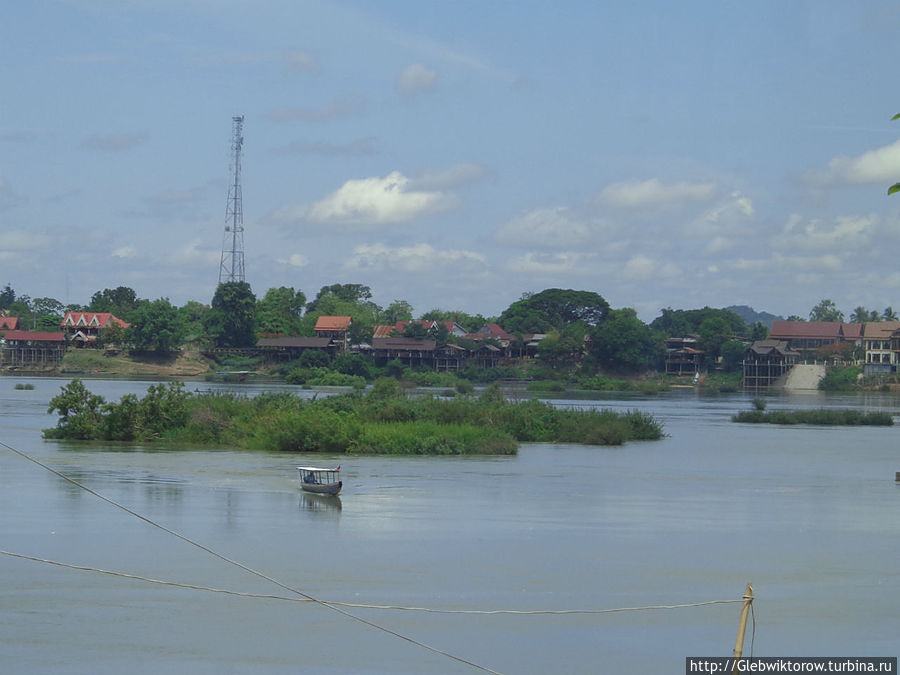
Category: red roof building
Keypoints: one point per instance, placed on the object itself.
(9, 322)
(87, 326)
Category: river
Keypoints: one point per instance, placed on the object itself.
(810, 516)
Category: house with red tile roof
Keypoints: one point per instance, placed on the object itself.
(87, 327)
(334, 327)
(807, 337)
(881, 340)
(8, 323)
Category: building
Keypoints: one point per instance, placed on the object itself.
(334, 327)
(765, 361)
(682, 356)
(85, 328)
(8, 323)
(22, 348)
(289, 348)
(881, 340)
(810, 337)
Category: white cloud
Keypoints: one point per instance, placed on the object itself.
(375, 201)
(412, 259)
(551, 228)
(415, 79)
(718, 245)
(191, 254)
(125, 252)
(730, 215)
(652, 192)
(22, 241)
(295, 260)
(876, 166)
(552, 264)
(847, 233)
(643, 268)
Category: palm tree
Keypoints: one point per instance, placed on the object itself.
(889, 314)
(860, 315)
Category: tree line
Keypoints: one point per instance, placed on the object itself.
(572, 321)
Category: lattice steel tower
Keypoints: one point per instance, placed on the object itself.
(232, 265)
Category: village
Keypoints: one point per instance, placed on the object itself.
(447, 346)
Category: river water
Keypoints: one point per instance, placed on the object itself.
(810, 516)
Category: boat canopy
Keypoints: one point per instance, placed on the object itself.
(313, 468)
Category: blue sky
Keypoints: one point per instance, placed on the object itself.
(456, 154)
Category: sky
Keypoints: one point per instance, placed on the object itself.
(456, 155)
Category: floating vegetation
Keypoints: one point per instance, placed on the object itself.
(26, 385)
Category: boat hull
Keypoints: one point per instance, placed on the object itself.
(322, 489)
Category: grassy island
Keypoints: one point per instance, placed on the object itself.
(382, 420)
(815, 417)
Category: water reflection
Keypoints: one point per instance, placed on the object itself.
(319, 503)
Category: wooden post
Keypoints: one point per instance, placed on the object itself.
(897, 476)
(742, 626)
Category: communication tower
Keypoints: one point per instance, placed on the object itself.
(232, 265)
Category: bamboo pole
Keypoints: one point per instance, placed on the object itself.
(742, 626)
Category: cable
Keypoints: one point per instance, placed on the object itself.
(431, 610)
(244, 567)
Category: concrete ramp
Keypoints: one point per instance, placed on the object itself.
(804, 376)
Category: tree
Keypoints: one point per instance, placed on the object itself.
(192, 316)
(7, 297)
(120, 301)
(554, 308)
(860, 315)
(352, 293)
(232, 320)
(733, 354)
(281, 310)
(398, 310)
(156, 325)
(624, 342)
(471, 322)
(714, 332)
(889, 314)
(826, 310)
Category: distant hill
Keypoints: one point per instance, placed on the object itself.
(751, 316)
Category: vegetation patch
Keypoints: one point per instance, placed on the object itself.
(381, 421)
(819, 417)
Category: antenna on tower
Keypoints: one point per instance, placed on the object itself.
(232, 266)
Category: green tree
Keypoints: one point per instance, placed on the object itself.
(281, 310)
(79, 412)
(714, 332)
(733, 354)
(624, 342)
(120, 301)
(826, 310)
(860, 315)
(231, 321)
(889, 314)
(398, 310)
(553, 308)
(350, 293)
(156, 325)
(7, 297)
(192, 315)
(471, 322)
(47, 313)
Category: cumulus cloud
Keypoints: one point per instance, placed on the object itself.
(653, 193)
(113, 142)
(846, 233)
(295, 260)
(418, 258)
(561, 264)
(729, 215)
(876, 166)
(644, 268)
(415, 79)
(125, 252)
(550, 228)
(191, 253)
(374, 201)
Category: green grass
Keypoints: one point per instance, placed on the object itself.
(818, 417)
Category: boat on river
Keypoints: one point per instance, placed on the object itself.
(320, 481)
